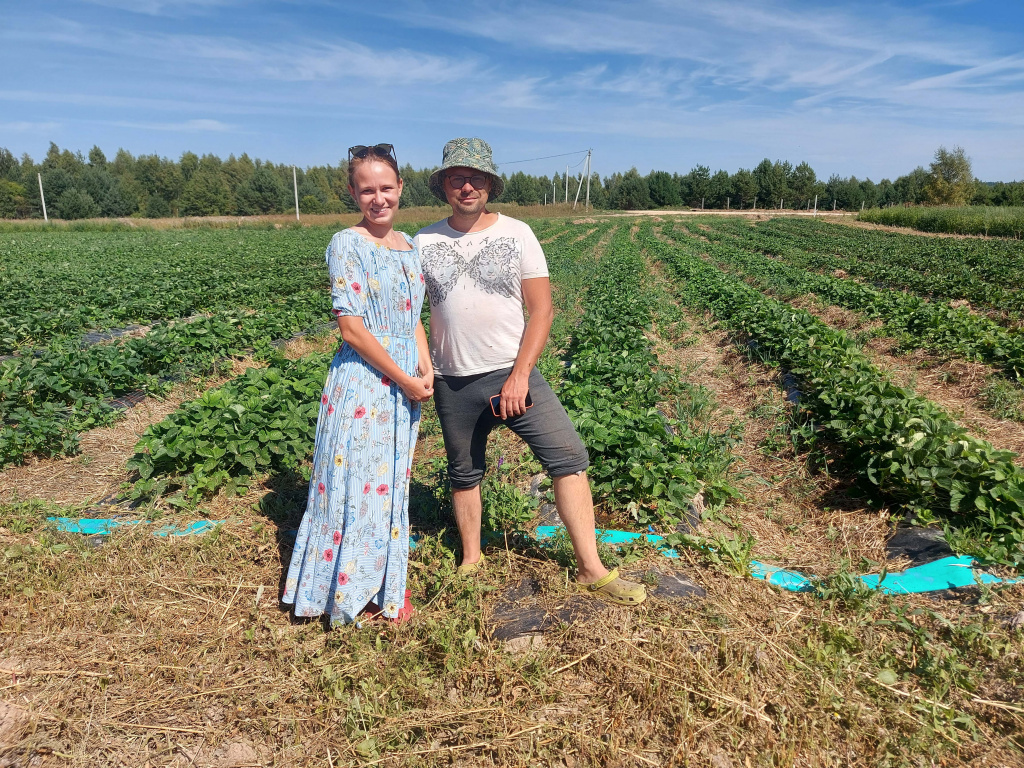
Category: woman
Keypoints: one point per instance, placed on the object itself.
(352, 548)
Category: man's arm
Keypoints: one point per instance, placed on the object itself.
(537, 297)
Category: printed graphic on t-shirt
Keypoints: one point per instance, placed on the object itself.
(491, 268)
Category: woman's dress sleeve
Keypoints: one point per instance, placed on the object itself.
(347, 277)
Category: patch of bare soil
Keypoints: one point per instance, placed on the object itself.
(585, 235)
(13, 722)
(99, 468)
(555, 236)
(838, 317)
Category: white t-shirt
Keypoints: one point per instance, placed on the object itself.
(474, 281)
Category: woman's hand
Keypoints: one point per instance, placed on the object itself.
(418, 389)
(426, 371)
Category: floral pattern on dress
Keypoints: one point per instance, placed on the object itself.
(347, 552)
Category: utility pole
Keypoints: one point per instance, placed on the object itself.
(567, 183)
(295, 186)
(815, 205)
(42, 197)
(588, 178)
(553, 189)
(579, 186)
(727, 201)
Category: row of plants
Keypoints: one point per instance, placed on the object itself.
(261, 422)
(1001, 221)
(902, 446)
(915, 320)
(48, 398)
(642, 460)
(264, 422)
(56, 285)
(983, 272)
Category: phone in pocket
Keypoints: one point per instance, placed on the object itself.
(496, 403)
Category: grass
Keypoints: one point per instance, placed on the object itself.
(1004, 221)
(1004, 399)
(144, 649)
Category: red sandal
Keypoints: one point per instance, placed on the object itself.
(372, 612)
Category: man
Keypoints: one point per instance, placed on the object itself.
(481, 268)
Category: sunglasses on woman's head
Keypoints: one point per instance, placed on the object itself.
(379, 150)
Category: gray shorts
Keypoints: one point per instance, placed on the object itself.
(463, 407)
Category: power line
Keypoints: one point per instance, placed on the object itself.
(564, 154)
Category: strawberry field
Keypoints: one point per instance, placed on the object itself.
(787, 390)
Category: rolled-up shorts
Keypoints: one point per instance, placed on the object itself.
(463, 407)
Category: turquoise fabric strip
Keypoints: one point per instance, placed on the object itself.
(947, 573)
(103, 527)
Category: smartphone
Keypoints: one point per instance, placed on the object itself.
(496, 403)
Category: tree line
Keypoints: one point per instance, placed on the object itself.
(77, 187)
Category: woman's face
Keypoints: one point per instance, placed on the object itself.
(376, 189)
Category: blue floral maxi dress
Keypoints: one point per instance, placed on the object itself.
(353, 544)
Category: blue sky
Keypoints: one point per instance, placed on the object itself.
(863, 88)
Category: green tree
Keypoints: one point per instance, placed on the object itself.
(521, 189)
(73, 203)
(631, 193)
(56, 182)
(910, 188)
(663, 189)
(263, 192)
(773, 182)
(9, 168)
(802, 182)
(950, 178)
(96, 157)
(156, 208)
(598, 194)
(205, 194)
(12, 199)
(698, 182)
(719, 190)
(744, 188)
(188, 164)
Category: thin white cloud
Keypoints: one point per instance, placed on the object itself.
(187, 126)
(226, 57)
(25, 126)
(166, 7)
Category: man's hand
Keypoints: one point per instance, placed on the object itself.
(513, 395)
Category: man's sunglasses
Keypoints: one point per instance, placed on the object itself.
(458, 182)
(361, 151)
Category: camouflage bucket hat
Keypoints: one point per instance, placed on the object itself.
(467, 153)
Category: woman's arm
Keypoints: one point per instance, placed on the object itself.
(354, 333)
(425, 366)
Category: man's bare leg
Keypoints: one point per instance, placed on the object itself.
(468, 506)
(575, 506)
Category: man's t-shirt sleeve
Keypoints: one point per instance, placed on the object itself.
(534, 264)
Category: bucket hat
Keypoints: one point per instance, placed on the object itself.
(467, 153)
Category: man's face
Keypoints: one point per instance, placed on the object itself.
(466, 200)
